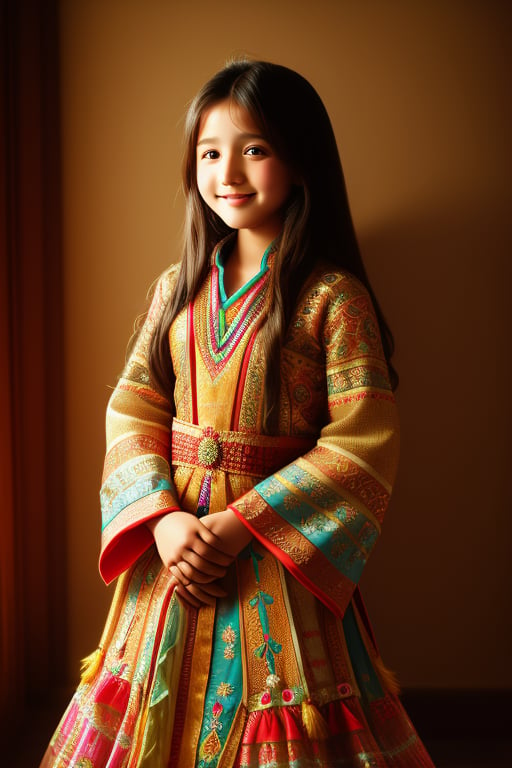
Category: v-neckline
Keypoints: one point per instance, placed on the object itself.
(226, 301)
(219, 337)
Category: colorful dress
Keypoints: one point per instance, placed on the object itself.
(284, 671)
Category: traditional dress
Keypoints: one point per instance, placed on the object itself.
(284, 671)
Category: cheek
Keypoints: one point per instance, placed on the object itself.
(203, 181)
(275, 177)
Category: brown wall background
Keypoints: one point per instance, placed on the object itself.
(417, 92)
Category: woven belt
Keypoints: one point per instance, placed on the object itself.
(234, 452)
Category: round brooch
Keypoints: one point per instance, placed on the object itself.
(209, 452)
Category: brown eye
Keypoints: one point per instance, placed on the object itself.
(210, 154)
(255, 151)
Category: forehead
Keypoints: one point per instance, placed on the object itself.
(227, 118)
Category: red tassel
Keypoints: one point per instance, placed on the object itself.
(341, 719)
(113, 692)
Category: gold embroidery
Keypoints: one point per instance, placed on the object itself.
(224, 689)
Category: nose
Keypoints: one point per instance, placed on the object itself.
(231, 170)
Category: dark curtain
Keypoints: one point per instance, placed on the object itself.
(32, 472)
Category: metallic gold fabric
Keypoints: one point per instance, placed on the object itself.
(283, 671)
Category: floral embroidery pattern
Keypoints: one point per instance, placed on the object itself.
(229, 637)
(317, 523)
(273, 696)
(211, 746)
(224, 687)
(272, 682)
(224, 690)
(268, 488)
(291, 502)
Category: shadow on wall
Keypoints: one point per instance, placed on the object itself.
(442, 275)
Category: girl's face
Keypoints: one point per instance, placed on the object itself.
(239, 176)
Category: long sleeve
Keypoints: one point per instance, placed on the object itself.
(321, 515)
(136, 484)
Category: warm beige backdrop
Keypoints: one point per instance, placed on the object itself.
(417, 94)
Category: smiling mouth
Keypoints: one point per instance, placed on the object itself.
(237, 197)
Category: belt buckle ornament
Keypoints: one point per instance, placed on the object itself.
(209, 450)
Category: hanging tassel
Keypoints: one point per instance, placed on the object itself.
(314, 723)
(91, 665)
(114, 692)
(387, 677)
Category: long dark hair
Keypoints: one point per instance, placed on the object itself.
(317, 220)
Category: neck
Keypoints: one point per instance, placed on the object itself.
(245, 259)
(250, 247)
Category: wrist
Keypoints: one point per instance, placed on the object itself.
(153, 522)
(236, 528)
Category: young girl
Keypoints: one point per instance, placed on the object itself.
(252, 445)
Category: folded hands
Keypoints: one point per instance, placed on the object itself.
(198, 551)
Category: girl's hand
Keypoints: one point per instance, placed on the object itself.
(188, 548)
(196, 595)
(233, 534)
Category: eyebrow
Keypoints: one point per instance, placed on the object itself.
(216, 140)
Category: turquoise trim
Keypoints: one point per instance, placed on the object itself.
(366, 677)
(359, 526)
(225, 683)
(170, 638)
(144, 486)
(326, 534)
(226, 301)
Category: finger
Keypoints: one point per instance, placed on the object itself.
(209, 537)
(213, 589)
(194, 568)
(217, 553)
(201, 594)
(204, 565)
(199, 570)
(179, 575)
(172, 581)
(209, 553)
(190, 599)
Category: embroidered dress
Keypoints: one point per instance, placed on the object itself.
(283, 671)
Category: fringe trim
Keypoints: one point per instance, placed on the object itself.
(314, 724)
(91, 665)
(387, 677)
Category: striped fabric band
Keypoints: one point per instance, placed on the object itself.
(235, 452)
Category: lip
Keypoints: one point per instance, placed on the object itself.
(238, 198)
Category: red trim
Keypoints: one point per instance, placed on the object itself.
(160, 628)
(183, 689)
(235, 419)
(127, 546)
(145, 393)
(192, 360)
(291, 566)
